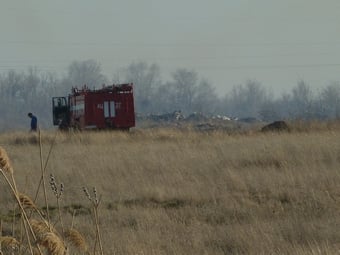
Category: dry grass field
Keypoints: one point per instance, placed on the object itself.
(181, 192)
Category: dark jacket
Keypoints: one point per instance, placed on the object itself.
(34, 123)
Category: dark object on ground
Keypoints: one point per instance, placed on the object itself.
(276, 126)
(206, 127)
(249, 120)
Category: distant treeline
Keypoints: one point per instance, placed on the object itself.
(31, 91)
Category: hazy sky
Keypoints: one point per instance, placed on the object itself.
(226, 41)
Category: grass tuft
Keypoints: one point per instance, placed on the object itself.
(52, 243)
(76, 239)
(5, 164)
(8, 244)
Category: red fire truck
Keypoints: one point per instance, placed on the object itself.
(111, 107)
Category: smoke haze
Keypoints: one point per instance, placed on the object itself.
(227, 42)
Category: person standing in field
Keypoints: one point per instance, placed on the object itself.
(34, 122)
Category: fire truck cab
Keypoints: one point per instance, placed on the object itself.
(111, 107)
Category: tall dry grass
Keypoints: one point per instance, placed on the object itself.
(184, 192)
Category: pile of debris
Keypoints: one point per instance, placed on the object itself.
(167, 117)
(276, 126)
(201, 122)
(195, 120)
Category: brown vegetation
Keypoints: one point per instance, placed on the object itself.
(169, 192)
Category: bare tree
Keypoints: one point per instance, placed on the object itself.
(165, 98)
(330, 100)
(302, 101)
(247, 100)
(22, 93)
(205, 99)
(85, 72)
(146, 78)
(184, 83)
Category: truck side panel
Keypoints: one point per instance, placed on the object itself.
(77, 111)
(111, 107)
